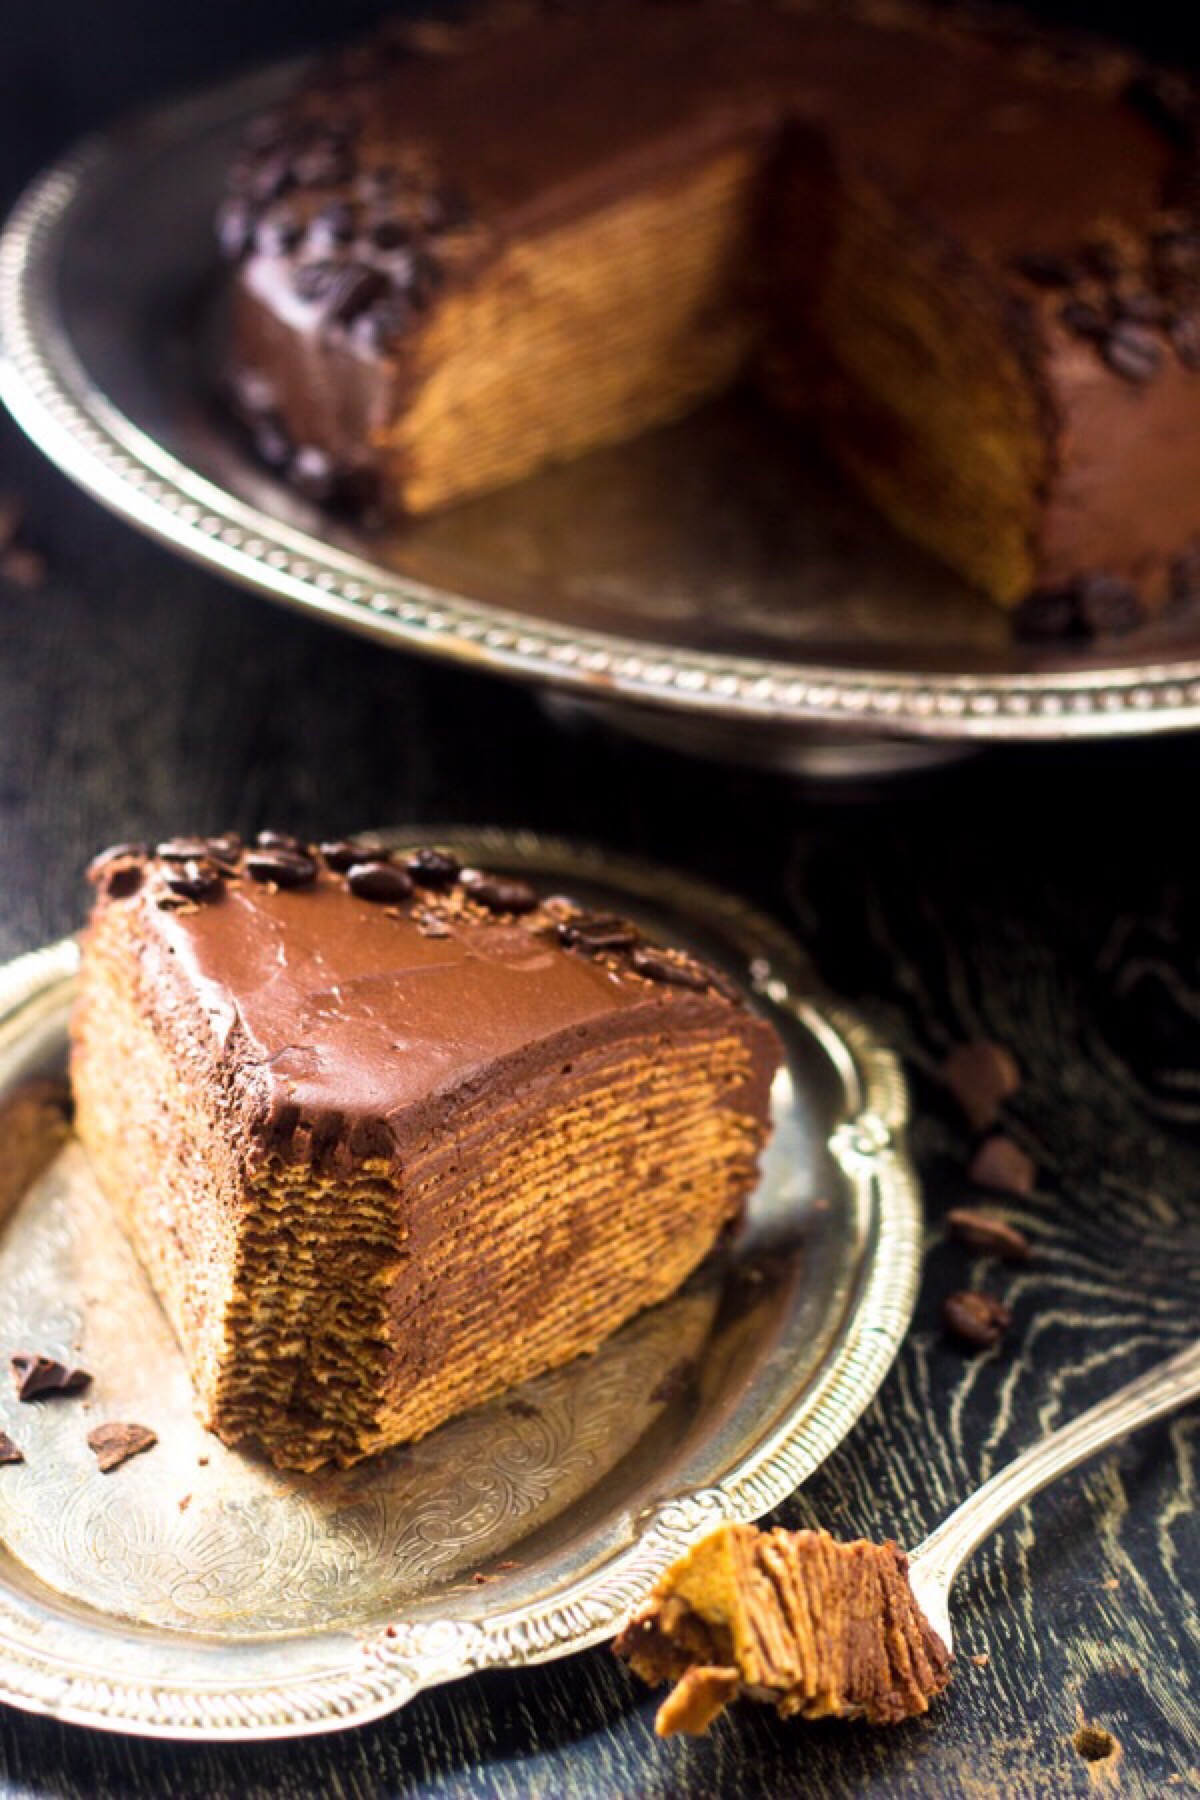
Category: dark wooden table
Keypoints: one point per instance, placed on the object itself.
(1049, 898)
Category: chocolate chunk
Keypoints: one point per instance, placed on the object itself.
(357, 287)
(597, 931)
(10, 1452)
(1133, 352)
(282, 868)
(118, 871)
(656, 965)
(981, 1076)
(500, 893)
(987, 1234)
(198, 880)
(340, 855)
(1185, 339)
(312, 472)
(977, 1320)
(181, 849)
(313, 281)
(433, 868)
(1085, 320)
(1000, 1164)
(114, 1444)
(235, 228)
(1108, 606)
(379, 881)
(37, 1376)
(1048, 271)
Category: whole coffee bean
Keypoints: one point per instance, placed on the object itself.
(381, 882)
(282, 868)
(977, 1320)
(987, 1234)
(500, 893)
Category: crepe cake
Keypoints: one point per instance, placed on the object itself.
(390, 1135)
(816, 1628)
(964, 251)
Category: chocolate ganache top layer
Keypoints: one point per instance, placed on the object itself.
(350, 985)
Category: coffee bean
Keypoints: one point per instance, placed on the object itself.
(977, 1320)
(433, 868)
(1000, 1164)
(225, 850)
(192, 880)
(278, 234)
(1185, 339)
(334, 224)
(1132, 351)
(378, 881)
(981, 1076)
(340, 855)
(675, 971)
(1048, 615)
(281, 840)
(37, 1376)
(390, 234)
(182, 849)
(1085, 320)
(988, 1235)
(500, 893)
(597, 931)
(313, 281)
(326, 164)
(1108, 606)
(312, 473)
(118, 871)
(380, 326)
(235, 228)
(1048, 271)
(282, 868)
(252, 395)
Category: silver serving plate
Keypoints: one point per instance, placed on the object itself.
(197, 1592)
(711, 585)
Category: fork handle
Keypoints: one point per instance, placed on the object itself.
(1160, 1390)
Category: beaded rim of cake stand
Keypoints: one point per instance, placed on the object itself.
(49, 392)
(388, 1668)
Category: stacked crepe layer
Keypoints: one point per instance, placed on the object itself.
(944, 249)
(814, 1627)
(493, 1151)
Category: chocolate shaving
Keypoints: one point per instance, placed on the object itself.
(10, 1452)
(1000, 1164)
(981, 1076)
(988, 1235)
(40, 1377)
(114, 1444)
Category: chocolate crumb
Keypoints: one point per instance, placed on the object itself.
(429, 925)
(10, 1452)
(673, 1382)
(987, 1234)
(479, 1578)
(981, 1660)
(522, 1409)
(114, 1444)
(1004, 1166)
(976, 1320)
(185, 1503)
(981, 1076)
(378, 881)
(37, 1376)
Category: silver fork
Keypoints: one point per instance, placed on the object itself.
(934, 1564)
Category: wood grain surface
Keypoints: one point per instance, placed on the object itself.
(1050, 899)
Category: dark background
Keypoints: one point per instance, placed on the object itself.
(1048, 897)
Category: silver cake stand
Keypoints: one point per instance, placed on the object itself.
(711, 585)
